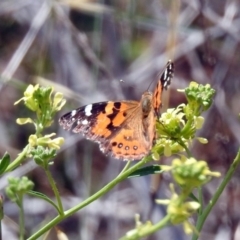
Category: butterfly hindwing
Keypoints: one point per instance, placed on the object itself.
(125, 145)
(132, 141)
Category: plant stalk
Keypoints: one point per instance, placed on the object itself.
(216, 196)
(55, 190)
(18, 160)
(89, 200)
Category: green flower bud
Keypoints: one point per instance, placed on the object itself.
(22, 121)
(17, 187)
(190, 173)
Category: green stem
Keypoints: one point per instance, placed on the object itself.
(21, 218)
(181, 143)
(200, 197)
(18, 160)
(38, 126)
(86, 202)
(147, 230)
(187, 127)
(55, 190)
(125, 167)
(215, 197)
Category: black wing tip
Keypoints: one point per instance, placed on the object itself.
(167, 75)
(64, 124)
(66, 121)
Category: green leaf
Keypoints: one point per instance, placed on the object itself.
(153, 169)
(44, 197)
(4, 162)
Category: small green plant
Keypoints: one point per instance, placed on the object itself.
(42, 148)
(176, 129)
(16, 189)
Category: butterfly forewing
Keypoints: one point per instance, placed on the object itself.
(164, 82)
(98, 121)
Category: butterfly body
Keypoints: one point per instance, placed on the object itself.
(124, 129)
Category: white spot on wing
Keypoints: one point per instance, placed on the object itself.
(85, 122)
(73, 113)
(165, 75)
(88, 110)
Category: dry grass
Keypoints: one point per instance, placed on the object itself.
(84, 49)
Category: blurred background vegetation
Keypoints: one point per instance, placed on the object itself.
(112, 50)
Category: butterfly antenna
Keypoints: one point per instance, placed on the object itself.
(150, 84)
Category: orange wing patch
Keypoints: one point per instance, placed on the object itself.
(157, 100)
(99, 121)
(126, 145)
(111, 118)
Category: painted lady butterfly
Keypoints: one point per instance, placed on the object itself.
(124, 129)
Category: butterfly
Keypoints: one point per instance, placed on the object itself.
(124, 129)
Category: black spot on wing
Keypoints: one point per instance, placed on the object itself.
(113, 114)
(115, 111)
(98, 108)
(117, 105)
(120, 145)
(111, 127)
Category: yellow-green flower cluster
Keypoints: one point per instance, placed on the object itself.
(41, 101)
(177, 127)
(140, 228)
(173, 120)
(199, 97)
(179, 210)
(190, 173)
(46, 141)
(43, 149)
